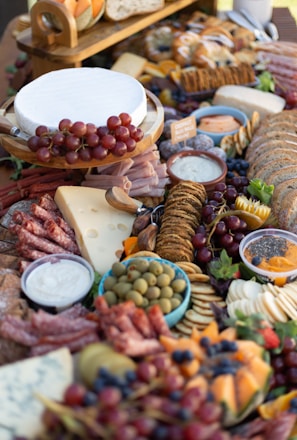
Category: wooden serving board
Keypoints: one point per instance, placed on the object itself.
(152, 127)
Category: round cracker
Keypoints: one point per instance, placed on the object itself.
(204, 288)
(183, 328)
(195, 317)
(202, 311)
(273, 307)
(199, 277)
(287, 307)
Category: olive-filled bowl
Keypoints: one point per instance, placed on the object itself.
(214, 111)
(147, 281)
(57, 281)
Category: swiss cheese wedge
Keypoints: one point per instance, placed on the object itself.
(99, 228)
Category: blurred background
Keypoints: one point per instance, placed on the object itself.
(12, 8)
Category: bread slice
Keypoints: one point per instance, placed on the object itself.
(286, 173)
(117, 10)
(285, 154)
(270, 136)
(130, 64)
(285, 126)
(268, 147)
(288, 211)
(272, 167)
(281, 190)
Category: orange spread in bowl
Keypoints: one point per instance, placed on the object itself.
(218, 124)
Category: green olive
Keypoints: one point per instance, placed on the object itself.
(133, 274)
(175, 303)
(169, 270)
(140, 285)
(110, 297)
(178, 285)
(135, 296)
(123, 278)
(165, 305)
(118, 269)
(109, 282)
(155, 267)
(178, 296)
(166, 292)
(150, 278)
(122, 288)
(163, 280)
(153, 292)
(145, 302)
(141, 264)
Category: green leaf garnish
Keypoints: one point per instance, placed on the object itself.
(261, 190)
(223, 268)
(266, 82)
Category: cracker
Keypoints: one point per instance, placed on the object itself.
(202, 311)
(183, 328)
(190, 266)
(287, 307)
(193, 316)
(203, 288)
(199, 277)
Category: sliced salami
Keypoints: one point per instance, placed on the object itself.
(47, 324)
(74, 345)
(59, 236)
(40, 243)
(157, 320)
(16, 334)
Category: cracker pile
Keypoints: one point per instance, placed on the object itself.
(195, 79)
(182, 215)
(200, 313)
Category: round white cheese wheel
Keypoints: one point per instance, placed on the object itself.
(88, 94)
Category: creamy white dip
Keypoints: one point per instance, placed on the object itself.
(58, 283)
(196, 168)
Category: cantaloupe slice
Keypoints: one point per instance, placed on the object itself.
(247, 349)
(271, 409)
(81, 7)
(246, 388)
(223, 390)
(261, 371)
(228, 334)
(211, 332)
(171, 344)
(97, 7)
(69, 4)
(200, 382)
(189, 369)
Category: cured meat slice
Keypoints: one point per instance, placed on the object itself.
(135, 347)
(142, 323)
(47, 324)
(48, 203)
(16, 334)
(42, 213)
(157, 320)
(73, 345)
(40, 243)
(59, 236)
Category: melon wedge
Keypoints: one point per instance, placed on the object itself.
(246, 389)
(224, 392)
(261, 371)
(248, 349)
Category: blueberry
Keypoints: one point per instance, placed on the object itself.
(126, 391)
(90, 399)
(184, 414)
(99, 384)
(175, 395)
(293, 403)
(211, 351)
(244, 164)
(205, 342)
(242, 172)
(178, 356)
(226, 362)
(256, 260)
(188, 355)
(160, 432)
(229, 175)
(232, 346)
(131, 376)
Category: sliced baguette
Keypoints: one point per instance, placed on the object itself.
(117, 10)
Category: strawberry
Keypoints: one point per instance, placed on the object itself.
(271, 338)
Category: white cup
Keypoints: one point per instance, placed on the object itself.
(260, 9)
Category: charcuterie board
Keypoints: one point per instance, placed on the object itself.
(152, 127)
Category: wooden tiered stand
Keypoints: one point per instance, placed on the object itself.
(50, 49)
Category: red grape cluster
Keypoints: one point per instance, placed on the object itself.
(284, 366)
(151, 402)
(85, 141)
(220, 229)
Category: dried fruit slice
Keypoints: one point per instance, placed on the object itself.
(256, 208)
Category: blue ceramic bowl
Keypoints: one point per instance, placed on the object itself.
(219, 110)
(176, 315)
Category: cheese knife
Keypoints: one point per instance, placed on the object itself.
(6, 127)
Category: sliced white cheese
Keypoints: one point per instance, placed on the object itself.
(99, 228)
(80, 94)
(21, 411)
(249, 100)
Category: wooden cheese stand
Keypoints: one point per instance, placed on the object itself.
(51, 50)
